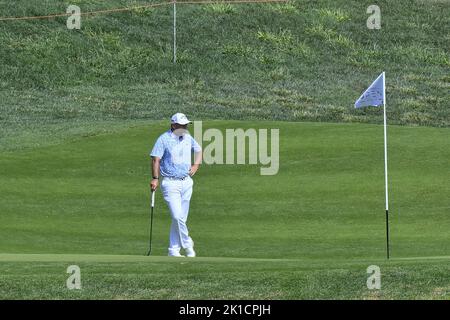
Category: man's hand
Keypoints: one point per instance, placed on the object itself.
(154, 184)
(193, 170)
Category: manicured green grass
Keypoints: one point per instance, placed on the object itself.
(77, 120)
(325, 208)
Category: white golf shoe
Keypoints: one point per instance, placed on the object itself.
(177, 254)
(190, 252)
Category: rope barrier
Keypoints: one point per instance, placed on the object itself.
(153, 5)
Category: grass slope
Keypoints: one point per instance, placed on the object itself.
(305, 60)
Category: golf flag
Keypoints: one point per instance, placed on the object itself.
(374, 95)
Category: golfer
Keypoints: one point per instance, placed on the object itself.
(171, 160)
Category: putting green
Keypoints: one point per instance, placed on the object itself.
(90, 195)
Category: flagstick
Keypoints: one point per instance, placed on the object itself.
(385, 166)
(174, 31)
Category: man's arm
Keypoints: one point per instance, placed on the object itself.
(198, 156)
(155, 173)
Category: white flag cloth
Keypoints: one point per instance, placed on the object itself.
(374, 95)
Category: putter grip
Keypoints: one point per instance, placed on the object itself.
(153, 198)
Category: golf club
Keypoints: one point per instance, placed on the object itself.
(151, 222)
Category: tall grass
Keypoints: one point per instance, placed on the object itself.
(119, 66)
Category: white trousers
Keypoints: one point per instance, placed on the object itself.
(177, 194)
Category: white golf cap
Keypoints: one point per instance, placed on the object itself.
(180, 118)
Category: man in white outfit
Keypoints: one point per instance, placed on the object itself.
(171, 159)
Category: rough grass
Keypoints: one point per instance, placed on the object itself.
(233, 59)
